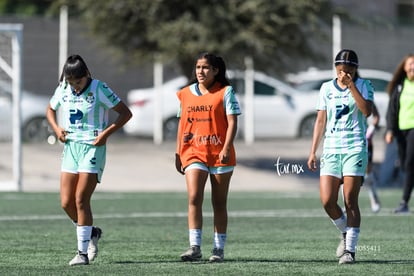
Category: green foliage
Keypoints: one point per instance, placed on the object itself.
(269, 233)
(24, 7)
(272, 32)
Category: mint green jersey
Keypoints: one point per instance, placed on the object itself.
(84, 115)
(345, 124)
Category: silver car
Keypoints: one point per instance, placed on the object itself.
(35, 127)
(279, 109)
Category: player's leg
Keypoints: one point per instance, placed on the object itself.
(352, 186)
(354, 168)
(408, 168)
(370, 181)
(86, 186)
(68, 182)
(90, 162)
(330, 185)
(220, 187)
(329, 191)
(196, 178)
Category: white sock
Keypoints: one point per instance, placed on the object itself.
(352, 236)
(340, 223)
(219, 240)
(195, 237)
(369, 178)
(84, 236)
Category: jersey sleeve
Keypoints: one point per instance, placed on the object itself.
(367, 90)
(107, 97)
(321, 104)
(231, 103)
(57, 96)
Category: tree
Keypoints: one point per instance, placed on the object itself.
(25, 7)
(272, 32)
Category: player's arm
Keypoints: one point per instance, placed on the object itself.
(178, 164)
(124, 114)
(224, 155)
(375, 115)
(318, 131)
(51, 118)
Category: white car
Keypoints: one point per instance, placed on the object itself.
(279, 109)
(312, 80)
(35, 127)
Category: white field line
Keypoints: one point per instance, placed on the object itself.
(282, 213)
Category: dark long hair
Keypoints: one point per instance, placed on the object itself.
(74, 68)
(216, 62)
(399, 75)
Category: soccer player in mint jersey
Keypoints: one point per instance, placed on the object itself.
(84, 103)
(343, 107)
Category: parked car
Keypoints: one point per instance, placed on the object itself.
(35, 127)
(312, 79)
(279, 109)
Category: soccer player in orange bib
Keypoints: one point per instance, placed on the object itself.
(208, 124)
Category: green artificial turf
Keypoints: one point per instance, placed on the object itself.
(269, 233)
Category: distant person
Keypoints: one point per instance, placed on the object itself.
(390, 172)
(84, 103)
(400, 123)
(370, 180)
(343, 107)
(208, 124)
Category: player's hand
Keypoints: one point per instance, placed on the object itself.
(388, 137)
(61, 134)
(178, 164)
(345, 78)
(312, 162)
(224, 156)
(100, 140)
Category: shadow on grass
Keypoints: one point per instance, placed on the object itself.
(203, 262)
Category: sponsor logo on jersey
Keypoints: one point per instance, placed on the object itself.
(75, 115)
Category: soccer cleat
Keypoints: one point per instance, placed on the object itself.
(375, 203)
(192, 254)
(217, 256)
(340, 250)
(402, 208)
(347, 258)
(93, 243)
(375, 207)
(79, 259)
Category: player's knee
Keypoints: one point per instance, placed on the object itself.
(351, 204)
(67, 204)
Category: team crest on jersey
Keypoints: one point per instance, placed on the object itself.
(90, 98)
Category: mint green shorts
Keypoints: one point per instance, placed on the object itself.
(211, 170)
(347, 164)
(78, 157)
